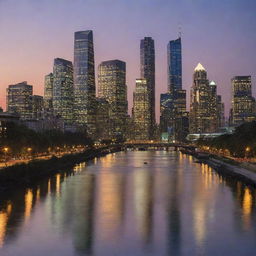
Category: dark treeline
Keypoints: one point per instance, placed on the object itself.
(242, 143)
(18, 138)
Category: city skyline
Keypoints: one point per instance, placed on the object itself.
(237, 60)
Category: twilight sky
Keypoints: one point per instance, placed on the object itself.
(218, 33)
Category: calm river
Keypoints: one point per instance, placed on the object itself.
(133, 204)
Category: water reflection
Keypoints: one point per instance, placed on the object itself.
(117, 205)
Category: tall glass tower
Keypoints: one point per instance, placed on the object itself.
(84, 81)
(174, 65)
(147, 71)
(63, 96)
(112, 87)
(48, 90)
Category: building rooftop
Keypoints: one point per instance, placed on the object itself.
(199, 67)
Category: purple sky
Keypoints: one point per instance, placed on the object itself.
(218, 33)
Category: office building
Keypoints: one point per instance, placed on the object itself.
(84, 81)
(202, 116)
(112, 87)
(174, 61)
(63, 94)
(243, 104)
(48, 95)
(141, 111)
(147, 71)
(19, 100)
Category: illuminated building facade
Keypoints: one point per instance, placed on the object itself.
(48, 95)
(243, 104)
(103, 122)
(19, 100)
(174, 121)
(112, 87)
(174, 117)
(213, 106)
(84, 81)
(147, 71)
(220, 112)
(203, 108)
(174, 60)
(37, 107)
(141, 111)
(63, 95)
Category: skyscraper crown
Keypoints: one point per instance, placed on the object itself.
(199, 67)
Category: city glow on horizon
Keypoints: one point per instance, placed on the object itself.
(28, 54)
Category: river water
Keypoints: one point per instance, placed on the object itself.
(133, 204)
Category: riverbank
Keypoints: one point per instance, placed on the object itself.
(228, 167)
(27, 174)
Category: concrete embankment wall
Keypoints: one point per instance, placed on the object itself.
(238, 172)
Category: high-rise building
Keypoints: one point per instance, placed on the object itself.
(141, 111)
(174, 117)
(147, 71)
(19, 100)
(48, 95)
(103, 122)
(63, 95)
(37, 107)
(220, 111)
(174, 60)
(84, 81)
(213, 106)
(243, 104)
(112, 87)
(201, 112)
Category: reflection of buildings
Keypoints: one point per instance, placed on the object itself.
(174, 231)
(143, 200)
(110, 204)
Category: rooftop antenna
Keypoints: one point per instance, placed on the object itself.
(179, 30)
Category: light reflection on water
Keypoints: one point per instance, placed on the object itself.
(118, 205)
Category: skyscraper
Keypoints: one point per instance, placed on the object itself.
(84, 81)
(213, 106)
(174, 118)
(174, 60)
(221, 112)
(103, 122)
(141, 111)
(63, 94)
(112, 87)
(147, 71)
(48, 94)
(243, 104)
(201, 114)
(19, 100)
(37, 107)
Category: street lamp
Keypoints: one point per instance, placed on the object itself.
(6, 150)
